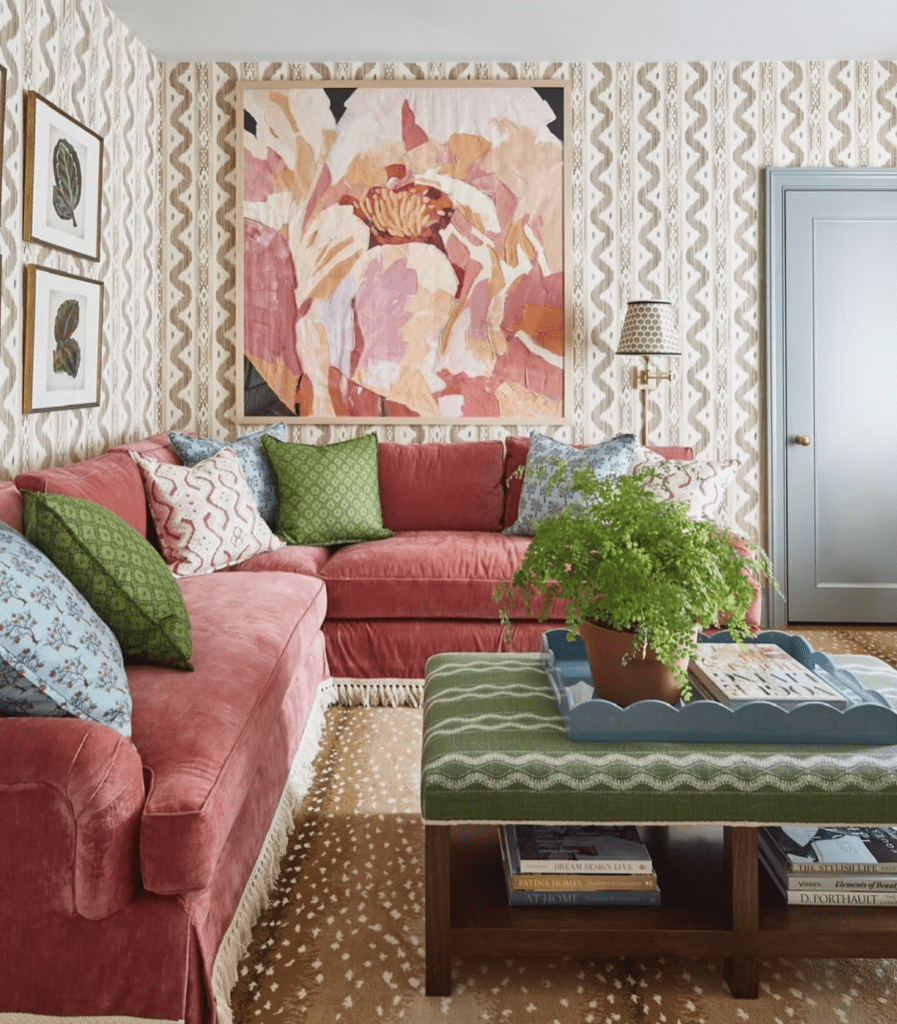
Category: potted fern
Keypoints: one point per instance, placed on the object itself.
(637, 575)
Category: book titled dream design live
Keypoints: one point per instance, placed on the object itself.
(735, 675)
(606, 849)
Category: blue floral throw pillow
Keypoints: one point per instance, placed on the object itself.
(540, 497)
(57, 657)
(253, 461)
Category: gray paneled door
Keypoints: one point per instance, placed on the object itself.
(833, 364)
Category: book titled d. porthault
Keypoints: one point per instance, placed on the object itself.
(599, 849)
(735, 675)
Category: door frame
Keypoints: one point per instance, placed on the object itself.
(779, 181)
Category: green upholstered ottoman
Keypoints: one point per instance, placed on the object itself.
(496, 750)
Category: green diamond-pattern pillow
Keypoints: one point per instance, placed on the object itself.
(328, 494)
(124, 579)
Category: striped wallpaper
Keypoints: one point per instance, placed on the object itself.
(82, 58)
(667, 164)
(667, 202)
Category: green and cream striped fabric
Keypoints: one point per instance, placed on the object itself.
(495, 749)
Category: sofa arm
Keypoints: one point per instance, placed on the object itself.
(71, 794)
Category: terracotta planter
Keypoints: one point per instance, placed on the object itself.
(639, 679)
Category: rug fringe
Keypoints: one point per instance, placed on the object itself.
(254, 900)
(379, 693)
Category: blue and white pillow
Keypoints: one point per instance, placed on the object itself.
(540, 497)
(57, 657)
(253, 461)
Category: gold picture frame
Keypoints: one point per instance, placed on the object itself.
(403, 252)
(63, 180)
(63, 340)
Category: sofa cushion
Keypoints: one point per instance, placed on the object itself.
(57, 657)
(205, 515)
(327, 494)
(442, 486)
(201, 735)
(111, 480)
(516, 452)
(422, 574)
(301, 558)
(120, 573)
(542, 496)
(253, 461)
(11, 505)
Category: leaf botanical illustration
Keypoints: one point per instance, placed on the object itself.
(67, 354)
(67, 172)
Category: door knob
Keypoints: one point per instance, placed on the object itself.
(802, 439)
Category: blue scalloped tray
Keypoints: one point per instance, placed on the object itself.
(868, 718)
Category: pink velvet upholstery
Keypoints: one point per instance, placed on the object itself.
(399, 648)
(516, 451)
(442, 486)
(72, 790)
(201, 735)
(293, 558)
(421, 574)
(11, 505)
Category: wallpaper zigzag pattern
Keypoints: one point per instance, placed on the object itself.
(668, 166)
(83, 59)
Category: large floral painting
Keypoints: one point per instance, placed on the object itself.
(402, 251)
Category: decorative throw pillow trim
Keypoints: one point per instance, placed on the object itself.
(170, 650)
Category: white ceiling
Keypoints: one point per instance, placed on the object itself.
(512, 30)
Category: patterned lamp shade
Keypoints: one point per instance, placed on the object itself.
(649, 330)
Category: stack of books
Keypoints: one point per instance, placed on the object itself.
(836, 866)
(571, 865)
(736, 675)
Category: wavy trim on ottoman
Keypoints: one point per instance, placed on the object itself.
(379, 693)
(254, 900)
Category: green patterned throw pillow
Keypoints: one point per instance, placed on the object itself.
(329, 494)
(124, 579)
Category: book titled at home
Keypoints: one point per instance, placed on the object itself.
(571, 849)
(735, 675)
(848, 850)
(552, 897)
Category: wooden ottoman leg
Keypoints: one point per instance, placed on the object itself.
(742, 972)
(438, 909)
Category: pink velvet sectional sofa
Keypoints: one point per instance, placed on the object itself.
(130, 872)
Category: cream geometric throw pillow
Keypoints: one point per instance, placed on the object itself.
(205, 515)
(700, 484)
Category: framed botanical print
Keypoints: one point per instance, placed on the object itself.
(63, 180)
(63, 332)
(403, 251)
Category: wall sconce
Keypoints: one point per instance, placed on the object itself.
(649, 329)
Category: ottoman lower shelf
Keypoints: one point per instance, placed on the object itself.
(699, 917)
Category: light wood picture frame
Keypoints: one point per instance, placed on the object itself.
(63, 180)
(63, 340)
(403, 252)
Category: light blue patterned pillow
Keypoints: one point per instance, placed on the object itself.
(57, 656)
(253, 461)
(540, 497)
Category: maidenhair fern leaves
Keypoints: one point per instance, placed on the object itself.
(67, 173)
(67, 354)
